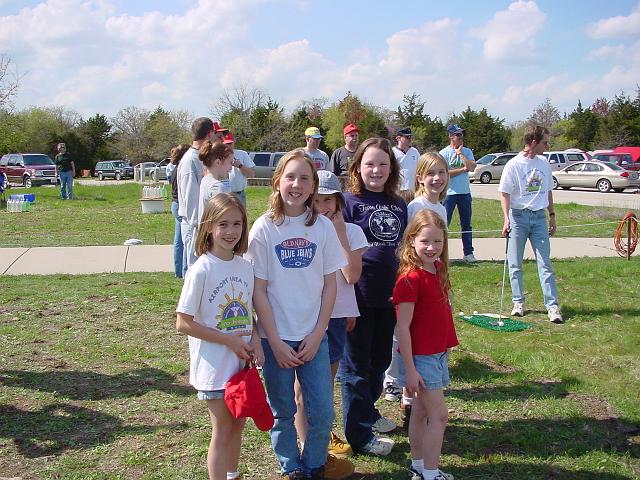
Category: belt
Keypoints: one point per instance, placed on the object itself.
(239, 191)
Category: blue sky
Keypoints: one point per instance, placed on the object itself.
(99, 56)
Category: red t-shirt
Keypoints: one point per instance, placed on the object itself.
(432, 330)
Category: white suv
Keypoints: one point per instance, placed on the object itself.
(559, 160)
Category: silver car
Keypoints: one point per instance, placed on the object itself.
(490, 167)
(601, 175)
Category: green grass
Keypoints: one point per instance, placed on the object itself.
(94, 382)
(110, 214)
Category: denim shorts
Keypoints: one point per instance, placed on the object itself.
(210, 394)
(337, 336)
(434, 370)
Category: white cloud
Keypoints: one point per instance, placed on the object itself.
(607, 52)
(510, 37)
(617, 27)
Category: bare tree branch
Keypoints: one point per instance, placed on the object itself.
(9, 82)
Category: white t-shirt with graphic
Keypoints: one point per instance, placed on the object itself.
(218, 294)
(293, 258)
(208, 188)
(408, 163)
(422, 203)
(319, 157)
(528, 182)
(346, 305)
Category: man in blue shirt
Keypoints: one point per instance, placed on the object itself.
(461, 162)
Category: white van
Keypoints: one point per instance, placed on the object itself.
(559, 160)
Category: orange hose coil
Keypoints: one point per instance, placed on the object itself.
(620, 240)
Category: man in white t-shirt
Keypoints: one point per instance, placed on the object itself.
(242, 169)
(407, 156)
(313, 137)
(525, 192)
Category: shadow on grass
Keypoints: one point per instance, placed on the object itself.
(59, 427)
(505, 471)
(95, 386)
(569, 311)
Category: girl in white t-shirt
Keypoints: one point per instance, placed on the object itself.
(330, 202)
(217, 159)
(295, 254)
(215, 310)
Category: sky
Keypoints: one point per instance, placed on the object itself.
(99, 56)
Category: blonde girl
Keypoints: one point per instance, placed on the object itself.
(217, 159)
(295, 255)
(432, 181)
(215, 311)
(425, 334)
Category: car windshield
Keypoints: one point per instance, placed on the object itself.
(486, 159)
(37, 160)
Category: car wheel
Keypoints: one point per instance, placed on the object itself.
(485, 177)
(118, 176)
(100, 176)
(618, 190)
(26, 181)
(603, 185)
(555, 183)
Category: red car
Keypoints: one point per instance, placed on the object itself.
(29, 169)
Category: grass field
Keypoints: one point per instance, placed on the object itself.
(110, 214)
(93, 382)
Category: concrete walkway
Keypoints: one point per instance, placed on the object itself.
(159, 258)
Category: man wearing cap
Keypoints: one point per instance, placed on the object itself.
(460, 161)
(243, 168)
(190, 173)
(340, 159)
(219, 132)
(407, 156)
(313, 137)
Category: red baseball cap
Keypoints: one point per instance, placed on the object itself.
(217, 128)
(245, 397)
(350, 129)
(229, 138)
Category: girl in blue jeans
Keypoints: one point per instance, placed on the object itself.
(296, 254)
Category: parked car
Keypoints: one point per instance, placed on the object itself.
(161, 172)
(634, 151)
(265, 163)
(623, 160)
(117, 169)
(490, 167)
(560, 160)
(593, 174)
(29, 169)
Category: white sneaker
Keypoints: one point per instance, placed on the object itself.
(469, 258)
(384, 425)
(518, 309)
(554, 314)
(379, 446)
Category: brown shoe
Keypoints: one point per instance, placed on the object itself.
(335, 469)
(338, 447)
(296, 475)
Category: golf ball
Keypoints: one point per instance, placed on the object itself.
(501, 323)
(461, 314)
(475, 312)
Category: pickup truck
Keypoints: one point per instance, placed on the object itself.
(623, 160)
(265, 163)
(29, 169)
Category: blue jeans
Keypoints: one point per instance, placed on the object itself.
(178, 246)
(188, 234)
(531, 225)
(66, 185)
(243, 197)
(317, 387)
(366, 357)
(463, 202)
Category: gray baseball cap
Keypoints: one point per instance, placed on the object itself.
(328, 183)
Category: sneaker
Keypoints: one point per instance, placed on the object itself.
(392, 393)
(518, 309)
(405, 414)
(334, 469)
(441, 476)
(415, 474)
(554, 314)
(338, 447)
(379, 446)
(469, 258)
(384, 425)
(296, 475)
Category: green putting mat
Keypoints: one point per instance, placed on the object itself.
(490, 322)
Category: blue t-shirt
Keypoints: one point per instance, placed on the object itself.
(460, 183)
(383, 221)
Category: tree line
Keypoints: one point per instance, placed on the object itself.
(261, 124)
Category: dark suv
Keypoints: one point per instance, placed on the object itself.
(29, 169)
(113, 168)
(623, 160)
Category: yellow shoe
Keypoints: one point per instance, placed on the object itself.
(337, 468)
(338, 447)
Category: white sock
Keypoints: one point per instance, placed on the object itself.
(417, 465)
(430, 474)
(233, 475)
(407, 400)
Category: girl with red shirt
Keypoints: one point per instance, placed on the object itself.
(425, 333)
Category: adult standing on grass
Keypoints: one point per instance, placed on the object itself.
(526, 190)
(460, 161)
(341, 157)
(407, 157)
(66, 171)
(190, 173)
(172, 175)
(313, 137)
(243, 168)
